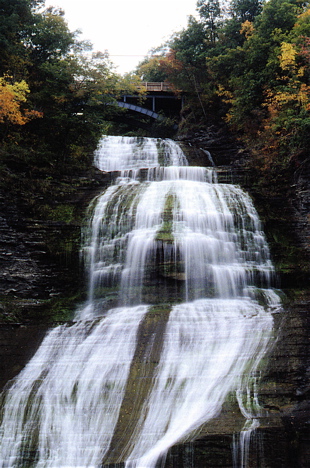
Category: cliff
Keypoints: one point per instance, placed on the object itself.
(283, 202)
(41, 281)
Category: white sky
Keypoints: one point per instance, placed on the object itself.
(126, 27)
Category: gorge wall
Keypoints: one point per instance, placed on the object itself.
(285, 213)
(41, 281)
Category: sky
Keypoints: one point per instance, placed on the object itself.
(127, 29)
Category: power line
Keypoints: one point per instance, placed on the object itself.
(127, 55)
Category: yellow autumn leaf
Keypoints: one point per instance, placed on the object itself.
(247, 28)
(12, 95)
(288, 56)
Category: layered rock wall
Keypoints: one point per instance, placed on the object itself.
(39, 265)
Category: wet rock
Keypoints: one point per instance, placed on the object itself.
(39, 260)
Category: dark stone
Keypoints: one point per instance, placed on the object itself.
(16, 348)
(39, 261)
(39, 258)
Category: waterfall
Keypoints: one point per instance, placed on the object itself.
(178, 318)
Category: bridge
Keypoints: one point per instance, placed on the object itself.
(152, 86)
(142, 110)
(158, 97)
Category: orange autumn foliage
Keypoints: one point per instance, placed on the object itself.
(12, 96)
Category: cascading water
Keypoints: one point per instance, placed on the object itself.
(178, 318)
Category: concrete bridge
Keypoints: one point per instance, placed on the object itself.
(158, 97)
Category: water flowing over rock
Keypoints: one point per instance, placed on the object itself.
(179, 316)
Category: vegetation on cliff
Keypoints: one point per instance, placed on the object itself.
(55, 95)
(55, 92)
(248, 64)
(243, 61)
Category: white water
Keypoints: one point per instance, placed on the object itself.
(209, 344)
(177, 230)
(124, 153)
(67, 399)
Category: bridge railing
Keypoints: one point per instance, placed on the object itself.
(151, 86)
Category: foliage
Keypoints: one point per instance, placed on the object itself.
(251, 66)
(149, 69)
(210, 13)
(16, 16)
(248, 64)
(48, 73)
(246, 10)
(11, 98)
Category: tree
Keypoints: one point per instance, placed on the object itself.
(278, 16)
(210, 14)
(70, 87)
(16, 17)
(12, 97)
(50, 38)
(246, 10)
(191, 44)
(149, 69)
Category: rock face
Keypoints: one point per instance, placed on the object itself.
(284, 212)
(39, 265)
(285, 390)
(39, 258)
(27, 269)
(300, 200)
(16, 348)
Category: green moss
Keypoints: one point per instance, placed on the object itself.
(39, 311)
(61, 213)
(9, 313)
(165, 232)
(62, 309)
